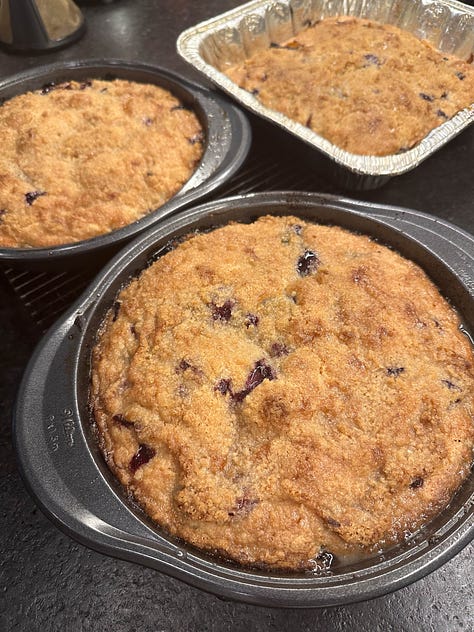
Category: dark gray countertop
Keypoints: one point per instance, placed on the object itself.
(47, 581)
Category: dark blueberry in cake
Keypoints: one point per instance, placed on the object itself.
(278, 349)
(395, 371)
(417, 482)
(243, 506)
(333, 523)
(223, 386)
(251, 320)
(222, 312)
(255, 91)
(197, 138)
(48, 87)
(147, 121)
(261, 371)
(461, 76)
(297, 228)
(120, 419)
(426, 97)
(115, 310)
(144, 454)
(133, 331)
(307, 263)
(372, 59)
(85, 84)
(183, 365)
(444, 95)
(451, 385)
(34, 195)
(442, 114)
(324, 561)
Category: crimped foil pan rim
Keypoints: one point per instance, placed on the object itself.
(188, 46)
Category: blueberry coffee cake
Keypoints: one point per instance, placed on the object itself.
(368, 88)
(285, 394)
(79, 159)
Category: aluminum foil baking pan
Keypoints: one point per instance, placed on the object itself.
(227, 142)
(228, 39)
(64, 469)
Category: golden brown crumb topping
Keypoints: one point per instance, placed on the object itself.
(82, 159)
(369, 88)
(285, 392)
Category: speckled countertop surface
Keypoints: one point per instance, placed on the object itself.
(47, 581)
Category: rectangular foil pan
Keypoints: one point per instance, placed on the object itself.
(223, 41)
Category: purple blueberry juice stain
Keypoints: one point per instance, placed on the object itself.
(307, 263)
(224, 386)
(144, 454)
(278, 349)
(261, 371)
(243, 506)
(32, 196)
(451, 385)
(251, 320)
(417, 482)
(372, 59)
(222, 312)
(123, 421)
(183, 365)
(395, 371)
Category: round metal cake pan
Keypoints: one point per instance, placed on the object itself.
(227, 142)
(65, 472)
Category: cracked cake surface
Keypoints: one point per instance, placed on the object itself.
(369, 88)
(285, 393)
(80, 159)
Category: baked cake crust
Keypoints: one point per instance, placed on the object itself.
(82, 159)
(282, 392)
(369, 88)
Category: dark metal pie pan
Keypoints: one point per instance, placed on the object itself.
(227, 142)
(64, 469)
